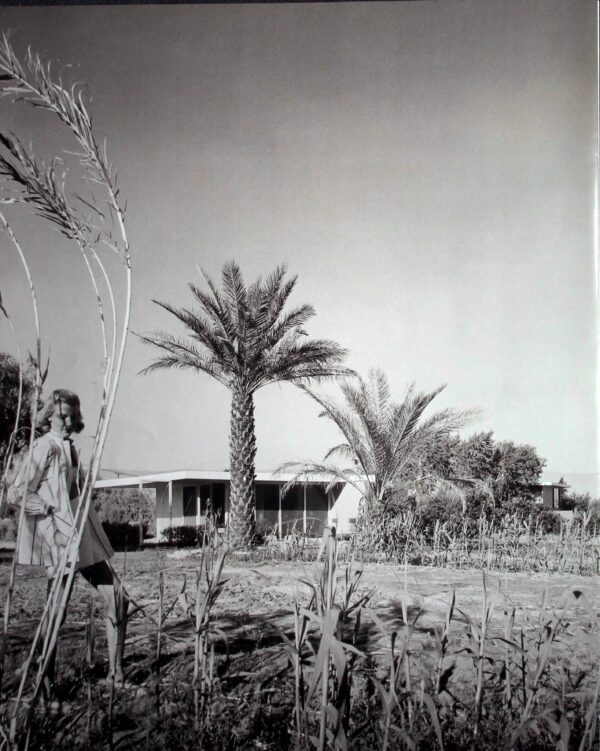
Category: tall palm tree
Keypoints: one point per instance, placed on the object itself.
(384, 441)
(243, 337)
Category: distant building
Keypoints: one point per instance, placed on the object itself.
(182, 498)
(552, 494)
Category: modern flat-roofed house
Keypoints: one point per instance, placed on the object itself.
(182, 498)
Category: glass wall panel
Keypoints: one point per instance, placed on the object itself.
(316, 510)
(213, 494)
(218, 501)
(267, 504)
(292, 510)
(190, 503)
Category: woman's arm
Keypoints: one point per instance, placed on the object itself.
(34, 505)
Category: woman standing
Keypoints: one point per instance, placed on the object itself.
(51, 496)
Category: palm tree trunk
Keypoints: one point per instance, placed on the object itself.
(242, 451)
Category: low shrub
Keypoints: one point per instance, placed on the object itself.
(548, 520)
(447, 511)
(184, 536)
(263, 531)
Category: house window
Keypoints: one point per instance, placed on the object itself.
(292, 510)
(218, 500)
(267, 503)
(556, 497)
(205, 498)
(190, 501)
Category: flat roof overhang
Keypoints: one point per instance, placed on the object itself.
(198, 475)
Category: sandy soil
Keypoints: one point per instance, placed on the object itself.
(257, 600)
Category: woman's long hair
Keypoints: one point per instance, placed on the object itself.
(57, 397)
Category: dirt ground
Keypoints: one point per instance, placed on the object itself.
(258, 597)
(255, 607)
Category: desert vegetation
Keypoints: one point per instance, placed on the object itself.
(332, 655)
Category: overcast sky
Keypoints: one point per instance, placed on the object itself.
(427, 169)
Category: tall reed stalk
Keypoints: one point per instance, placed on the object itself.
(90, 641)
(337, 624)
(208, 586)
(12, 440)
(43, 189)
(39, 378)
(159, 638)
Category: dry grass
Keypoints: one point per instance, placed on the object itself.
(295, 655)
(510, 543)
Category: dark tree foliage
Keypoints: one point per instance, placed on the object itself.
(518, 469)
(184, 536)
(501, 472)
(578, 501)
(584, 505)
(441, 456)
(9, 395)
(478, 456)
(125, 505)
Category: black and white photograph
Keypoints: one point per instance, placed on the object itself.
(299, 376)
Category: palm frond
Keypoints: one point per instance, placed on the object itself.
(274, 296)
(203, 331)
(183, 355)
(343, 450)
(385, 437)
(319, 353)
(216, 311)
(364, 400)
(234, 288)
(329, 475)
(408, 417)
(265, 303)
(350, 428)
(247, 330)
(290, 323)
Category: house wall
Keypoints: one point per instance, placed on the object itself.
(547, 497)
(552, 497)
(166, 517)
(344, 510)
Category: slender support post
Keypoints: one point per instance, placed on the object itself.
(304, 510)
(171, 508)
(140, 517)
(226, 505)
(279, 517)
